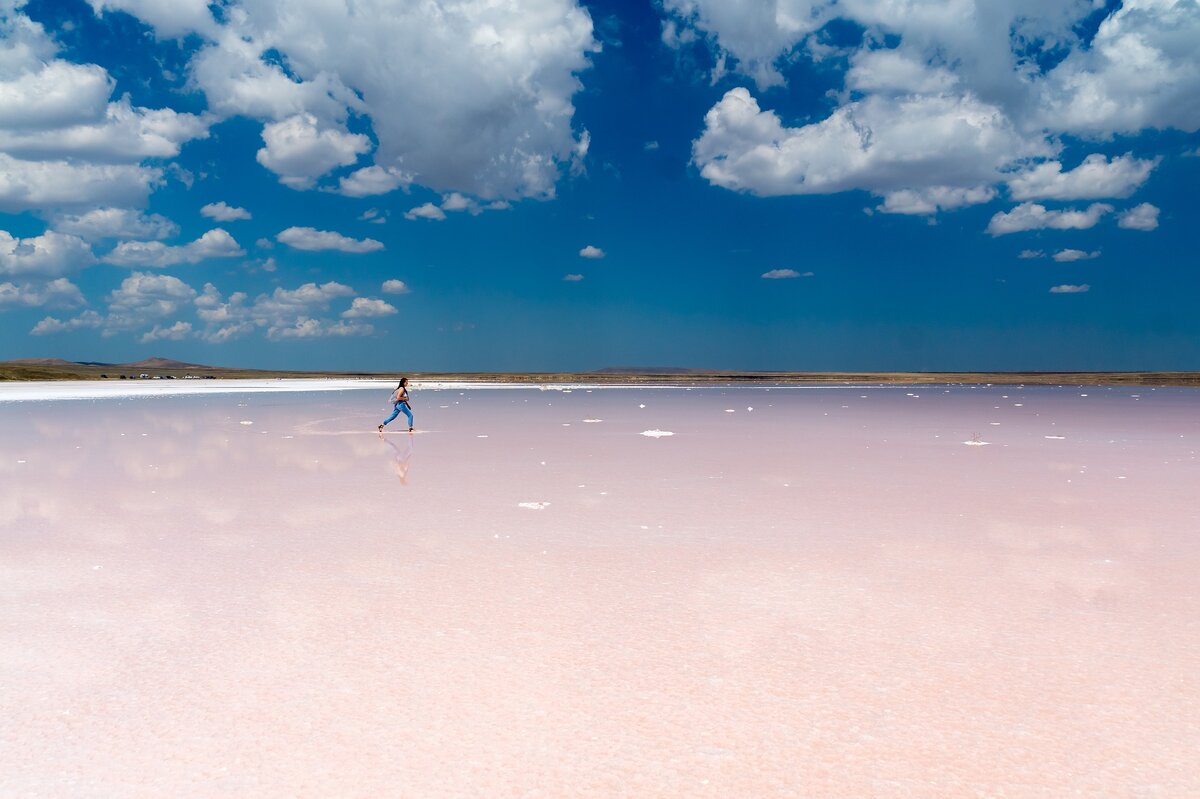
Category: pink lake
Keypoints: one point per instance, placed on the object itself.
(253, 594)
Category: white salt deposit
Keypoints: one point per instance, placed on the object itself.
(657, 433)
(533, 505)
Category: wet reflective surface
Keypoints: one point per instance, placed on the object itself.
(851, 591)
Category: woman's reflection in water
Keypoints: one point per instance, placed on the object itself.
(400, 458)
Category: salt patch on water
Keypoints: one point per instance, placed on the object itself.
(245, 421)
(533, 505)
(977, 443)
(592, 421)
(1055, 438)
(657, 433)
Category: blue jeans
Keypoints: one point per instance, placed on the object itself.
(400, 406)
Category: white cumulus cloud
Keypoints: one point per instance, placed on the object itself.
(221, 212)
(939, 98)
(364, 307)
(1140, 217)
(1069, 255)
(57, 293)
(1094, 179)
(49, 255)
(953, 146)
(115, 223)
(426, 211)
(301, 149)
(780, 274)
(591, 251)
(372, 180)
(1067, 288)
(1033, 216)
(317, 328)
(27, 185)
(395, 287)
(86, 321)
(216, 243)
(931, 199)
(471, 96)
(176, 332)
(307, 238)
(573, 278)
(144, 298)
(64, 144)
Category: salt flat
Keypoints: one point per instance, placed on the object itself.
(892, 591)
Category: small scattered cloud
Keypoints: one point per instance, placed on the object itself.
(216, 243)
(1140, 217)
(573, 278)
(373, 216)
(650, 146)
(426, 211)
(1067, 256)
(459, 202)
(372, 180)
(783, 274)
(1067, 288)
(176, 332)
(498, 205)
(313, 240)
(58, 293)
(931, 199)
(365, 307)
(395, 287)
(115, 223)
(265, 244)
(1027, 254)
(221, 212)
(591, 251)
(1096, 178)
(1032, 216)
(87, 320)
(318, 328)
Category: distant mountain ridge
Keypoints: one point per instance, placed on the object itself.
(164, 363)
(145, 363)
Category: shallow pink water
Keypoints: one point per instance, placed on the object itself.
(830, 595)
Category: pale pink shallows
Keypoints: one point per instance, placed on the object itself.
(828, 595)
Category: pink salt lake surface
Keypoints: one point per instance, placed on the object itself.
(237, 594)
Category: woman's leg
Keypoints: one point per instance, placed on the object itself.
(407, 412)
(395, 413)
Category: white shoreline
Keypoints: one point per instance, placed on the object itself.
(58, 390)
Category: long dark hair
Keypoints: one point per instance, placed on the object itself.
(403, 383)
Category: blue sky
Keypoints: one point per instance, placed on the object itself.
(556, 185)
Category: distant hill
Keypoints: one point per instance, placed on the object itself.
(40, 362)
(163, 363)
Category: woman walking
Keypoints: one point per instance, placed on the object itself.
(400, 403)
